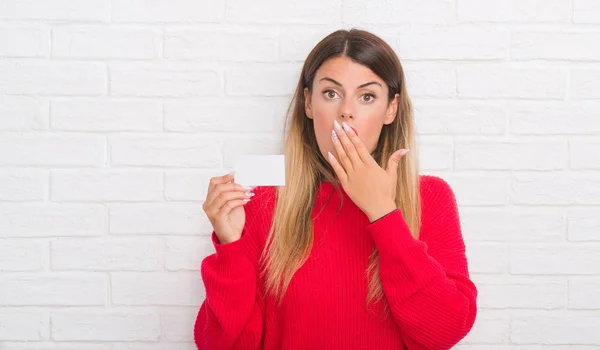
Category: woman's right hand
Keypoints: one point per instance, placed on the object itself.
(224, 207)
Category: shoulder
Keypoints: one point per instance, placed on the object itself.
(438, 202)
(435, 188)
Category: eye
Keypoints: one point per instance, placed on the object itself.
(329, 94)
(368, 97)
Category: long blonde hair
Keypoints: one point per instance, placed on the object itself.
(291, 236)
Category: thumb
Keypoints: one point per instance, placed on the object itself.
(394, 161)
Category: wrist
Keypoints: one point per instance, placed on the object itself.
(380, 212)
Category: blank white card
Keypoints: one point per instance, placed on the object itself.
(260, 170)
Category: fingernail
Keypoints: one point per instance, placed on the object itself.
(334, 134)
(248, 188)
(337, 126)
(231, 173)
(249, 194)
(246, 200)
(346, 127)
(330, 155)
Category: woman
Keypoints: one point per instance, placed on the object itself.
(357, 251)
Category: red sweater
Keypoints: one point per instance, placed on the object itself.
(426, 281)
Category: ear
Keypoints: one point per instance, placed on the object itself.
(307, 104)
(392, 110)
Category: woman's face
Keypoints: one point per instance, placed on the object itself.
(348, 92)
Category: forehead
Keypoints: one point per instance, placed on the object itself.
(346, 72)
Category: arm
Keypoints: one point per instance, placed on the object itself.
(231, 316)
(426, 281)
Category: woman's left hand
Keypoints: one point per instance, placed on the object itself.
(370, 187)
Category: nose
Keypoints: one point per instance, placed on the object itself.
(346, 110)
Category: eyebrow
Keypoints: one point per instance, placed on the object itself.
(360, 86)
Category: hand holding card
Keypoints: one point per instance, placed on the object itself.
(224, 207)
(224, 204)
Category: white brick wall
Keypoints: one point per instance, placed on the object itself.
(115, 113)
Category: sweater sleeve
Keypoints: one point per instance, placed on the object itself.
(426, 282)
(231, 315)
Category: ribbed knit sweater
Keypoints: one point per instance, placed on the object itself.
(431, 299)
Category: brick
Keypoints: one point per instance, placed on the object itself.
(52, 78)
(454, 43)
(555, 259)
(235, 148)
(106, 185)
(480, 189)
(152, 11)
(555, 45)
(492, 327)
(172, 288)
(165, 151)
(205, 228)
(288, 12)
(55, 289)
(275, 81)
(487, 258)
(55, 10)
(520, 11)
(511, 155)
(583, 225)
(404, 11)
(586, 11)
(163, 81)
(436, 155)
(175, 324)
(555, 189)
(22, 325)
(155, 346)
(505, 81)
(187, 185)
(585, 84)
(583, 293)
(245, 115)
(296, 44)
(58, 346)
(159, 218)
(430, 80)
(105, 42)
(187, 253)
(112, 254)
(130, 325)
(23, 113)
(52, 220)
(23, 185)
(584, 154)
(502, 292)
(52, 150)
(24, 41)
(106, 115)
(508, 225)
(22, 255)
(556, 327)
(555, 118)
(221, 46)
(454, 117)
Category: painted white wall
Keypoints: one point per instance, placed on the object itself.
(115, 113)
